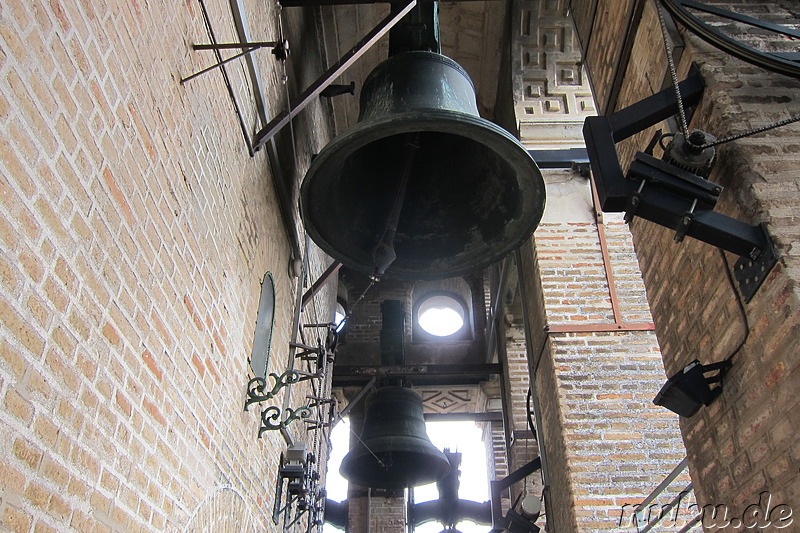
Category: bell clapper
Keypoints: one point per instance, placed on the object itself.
(384, 255)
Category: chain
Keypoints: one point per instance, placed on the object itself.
(672, 72)
(682, 113)
(754, 131)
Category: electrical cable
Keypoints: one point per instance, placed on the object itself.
(531, 426)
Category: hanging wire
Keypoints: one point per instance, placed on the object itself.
(672, 72)
(350, 311)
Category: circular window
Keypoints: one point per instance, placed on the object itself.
(441, 315)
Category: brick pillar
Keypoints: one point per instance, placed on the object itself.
(607, 445)
(595, 356)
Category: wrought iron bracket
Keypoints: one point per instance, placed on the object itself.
(256, 387)
(663, 193)
(272, 419)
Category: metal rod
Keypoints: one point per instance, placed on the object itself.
(326, 276)
(363, 392)
(241, 45)
(330, 75)
(225, 77)
(601, 234)
(666, 509)
(277, 174)
(691, 524)
(243, 31)
(600, 328)
(215, 65)
(660, 488)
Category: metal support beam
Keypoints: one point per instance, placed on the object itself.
(500, 522)
(448, 374)
(568, 158)
(279, 179)
(323, 280)
(615, 191)
(494, 416)
(328, 77)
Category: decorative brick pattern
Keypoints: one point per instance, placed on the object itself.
(548, 76)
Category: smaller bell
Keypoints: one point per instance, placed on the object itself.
(394, 450)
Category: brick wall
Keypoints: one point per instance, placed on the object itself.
(606, 444)
(134, 232)
(742, 445)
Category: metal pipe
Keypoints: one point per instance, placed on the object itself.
(601, 234)
(660, 488)
(233, 46)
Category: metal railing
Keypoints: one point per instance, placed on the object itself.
(641, 513)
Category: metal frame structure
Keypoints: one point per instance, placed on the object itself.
(784, 63)
(667, 195)
(328, 77)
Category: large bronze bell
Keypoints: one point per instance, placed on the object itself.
(394, 451)
(422, 187)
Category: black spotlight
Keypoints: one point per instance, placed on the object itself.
(686, 391)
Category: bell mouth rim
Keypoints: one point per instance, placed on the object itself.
(360, 466)
(475, 128)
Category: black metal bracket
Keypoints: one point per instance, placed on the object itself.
(512, 521)
(751, 273)
(663, 193)
(299, 477)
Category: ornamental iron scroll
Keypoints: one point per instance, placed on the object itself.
(256, 387)
(272, 419)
